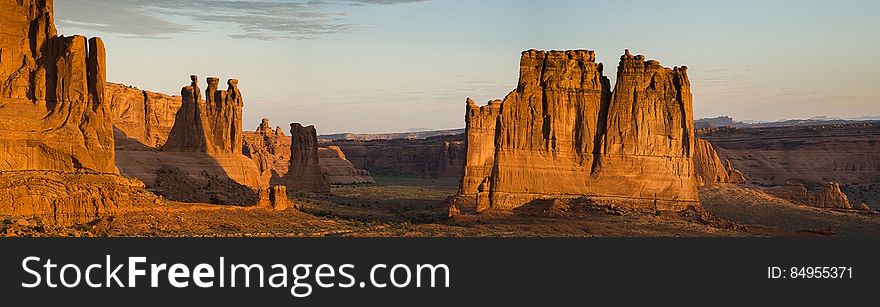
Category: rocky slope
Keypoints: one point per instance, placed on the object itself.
(563, 133)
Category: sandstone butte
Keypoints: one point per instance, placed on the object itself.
(563, 133)
(56, 137)
(304, 170)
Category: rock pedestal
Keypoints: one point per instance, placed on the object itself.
(304, 171)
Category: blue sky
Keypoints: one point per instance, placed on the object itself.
(395, 65)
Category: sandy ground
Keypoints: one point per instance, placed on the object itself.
(396, 207)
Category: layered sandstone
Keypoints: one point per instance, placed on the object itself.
(57, 160)
(709, 167)
(65, 198)
(53, 115)
(563, 134)
(304, 170)
(338, 170)
(141, 115)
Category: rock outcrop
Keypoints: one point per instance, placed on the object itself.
(212, 125)
(274, 197)
(564, 134)
(140, 115)
(709, 167)
(270, 150)
(57, 160)
(829, 196)
(53, 115)
(205, 140)
(338, 170)
(304, 170)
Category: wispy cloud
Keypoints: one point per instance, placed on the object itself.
(256, 19)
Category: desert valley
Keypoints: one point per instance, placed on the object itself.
(565, 153)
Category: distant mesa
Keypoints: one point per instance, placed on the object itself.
(563, 133)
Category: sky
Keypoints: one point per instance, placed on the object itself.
(370, 66)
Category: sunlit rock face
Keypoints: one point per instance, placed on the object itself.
(564, 133)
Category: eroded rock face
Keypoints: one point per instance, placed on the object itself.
(274, 197)
(270, 150)
(65, 198)
(563, 134)
(338, 170)
(212, 125)
(143, 116)
(53, 115)
(831, 196)
(709, 167)
(304, 170)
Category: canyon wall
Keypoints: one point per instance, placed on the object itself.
(563, 133)
(142, 116)
(304, 170)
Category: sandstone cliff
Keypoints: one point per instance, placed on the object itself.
(56, 135)
(304, 171)
(709, 167)
(562, 133)
(140, 115)
(53, 115)
(212, 125)
(338, 170)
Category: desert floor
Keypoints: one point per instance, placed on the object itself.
(397, 207)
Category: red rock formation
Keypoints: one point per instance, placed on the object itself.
(274, 197)
(56, 134)
(304, 171)
(270, 150)
(53, 115)
(144, 116)
(206, 139)
(829, 196)
(338, 170)
(563, 134)
(212, 125)
(709, 167)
